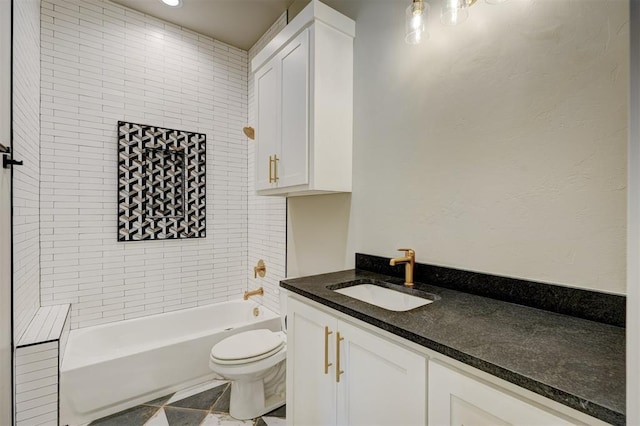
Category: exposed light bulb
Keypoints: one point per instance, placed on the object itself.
(454, 12)
(414, 22)
(172, 3)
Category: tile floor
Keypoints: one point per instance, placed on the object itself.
(203, 405)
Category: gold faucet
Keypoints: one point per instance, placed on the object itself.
(409, 260)
(258, 292)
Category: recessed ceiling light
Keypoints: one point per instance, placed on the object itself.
(172, 3)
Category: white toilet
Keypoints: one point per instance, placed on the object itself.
(255, 362)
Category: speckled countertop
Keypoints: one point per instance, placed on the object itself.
(576, 362)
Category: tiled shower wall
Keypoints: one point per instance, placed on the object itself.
(37, 384)
(267, 215)
(102, 63)
(26, 135)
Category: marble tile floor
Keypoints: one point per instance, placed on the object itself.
(202, 405)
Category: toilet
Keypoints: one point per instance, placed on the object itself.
(255, 363)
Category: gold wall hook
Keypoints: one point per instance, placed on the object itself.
(260, 269)
(249, 132)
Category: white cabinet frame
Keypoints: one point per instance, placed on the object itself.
(304, 118)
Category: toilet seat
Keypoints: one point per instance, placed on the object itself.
(247, 347)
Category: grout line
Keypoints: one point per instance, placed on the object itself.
(183, 408)
(207, 412)
(119, 413)
(153, 415)
(205, 418)
(218, 399)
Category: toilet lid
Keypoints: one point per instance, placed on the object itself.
(248, 344)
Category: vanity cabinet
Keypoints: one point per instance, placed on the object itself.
(458, 399)
(341, 374)
(344, 372)
(304, 106)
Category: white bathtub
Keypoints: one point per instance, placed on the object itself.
(111, 367)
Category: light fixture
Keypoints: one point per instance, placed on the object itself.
(414, 22)
(455, 12)
(172, 3)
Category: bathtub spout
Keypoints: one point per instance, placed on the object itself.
(258, 292)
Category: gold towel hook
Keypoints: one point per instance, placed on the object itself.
(249, 132)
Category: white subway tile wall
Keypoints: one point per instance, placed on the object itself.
(26, 146)
(37, 384)
(102, 63)
(267, 215)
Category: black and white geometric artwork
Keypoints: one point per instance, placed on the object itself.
(161, 183)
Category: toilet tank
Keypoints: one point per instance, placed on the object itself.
(283, 308)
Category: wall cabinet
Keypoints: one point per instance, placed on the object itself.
(304, 106)
(341, 374)
(282, 89)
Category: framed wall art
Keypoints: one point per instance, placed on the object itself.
(161, 183)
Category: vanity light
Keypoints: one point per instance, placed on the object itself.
(414, 22)
(455, 12)
(172, 3)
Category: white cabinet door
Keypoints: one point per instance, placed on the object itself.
(456, 399)
(311, 387)
(313, 61)
(292, 168)
(267, 121)
(382, 383)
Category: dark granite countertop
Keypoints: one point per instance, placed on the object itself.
(573, 361)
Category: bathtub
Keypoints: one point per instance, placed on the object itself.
(111, 367)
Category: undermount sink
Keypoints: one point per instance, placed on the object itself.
(382, 294)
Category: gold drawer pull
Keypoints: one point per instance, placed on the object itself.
(270, 169)
(275, 168)
(327, 364)
(338, 371)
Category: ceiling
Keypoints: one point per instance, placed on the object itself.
(239, 23)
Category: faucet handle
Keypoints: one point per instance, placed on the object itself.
(260, 269)
(407, 251)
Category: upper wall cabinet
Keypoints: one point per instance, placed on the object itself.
(304, 100)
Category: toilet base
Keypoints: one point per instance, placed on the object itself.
(257, 396)
(242, 410)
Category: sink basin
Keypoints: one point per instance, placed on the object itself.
(380, 294)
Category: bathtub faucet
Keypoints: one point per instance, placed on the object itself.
(259, 292)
